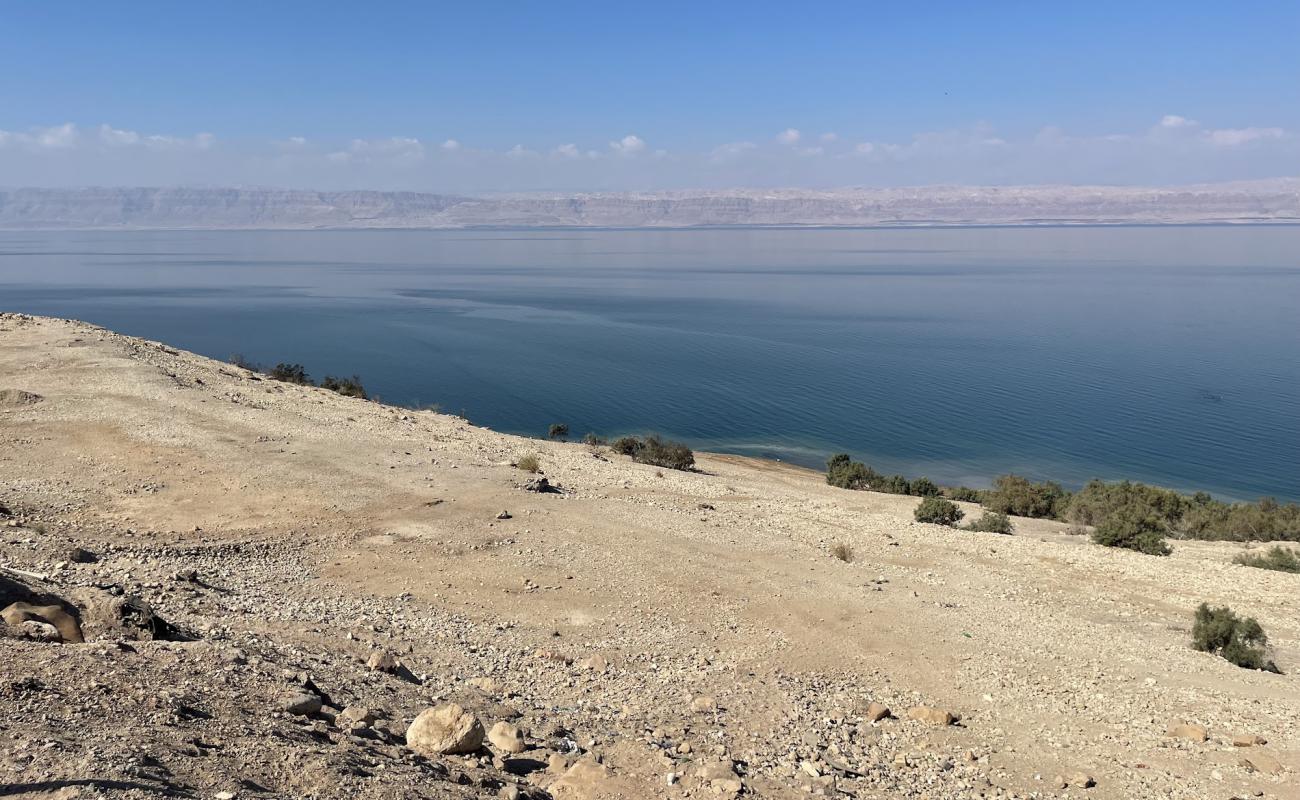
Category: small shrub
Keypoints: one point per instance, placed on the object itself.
(1097, 502)
(529, 463)
(842, 551)
(239, 361)
(1277, 558)
(593, 440)
(844, 472)
(348, 387)
(938, 511)
(964, 494)
(662, 453)
(992, 522)
(1133, 530)
(558, 430)
(290, 373)
(626, 445)
(1012, 494)
(923, 487)
(894, 484)
(1240, 641)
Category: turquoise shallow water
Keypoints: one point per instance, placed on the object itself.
(1170, 355)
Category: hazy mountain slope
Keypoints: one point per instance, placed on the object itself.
(1259, 201)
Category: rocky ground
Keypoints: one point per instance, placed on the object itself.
(273, 582)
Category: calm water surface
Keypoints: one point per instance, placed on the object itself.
(1169, 355)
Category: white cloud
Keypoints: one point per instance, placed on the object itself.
(1233, 137)
(789, 136)
(59, 137)
(1175, 121)
(400, 150)
(115, 138)
(1169, 150)
(629, 145)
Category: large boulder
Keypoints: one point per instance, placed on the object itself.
(445, 730)
(506, 737)
(108, 616)
(55, 616)
(585, 780)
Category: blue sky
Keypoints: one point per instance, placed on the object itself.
(492, 96)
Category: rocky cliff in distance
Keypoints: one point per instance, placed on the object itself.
(250, 208)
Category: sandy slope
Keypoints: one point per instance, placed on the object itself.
(360, 526)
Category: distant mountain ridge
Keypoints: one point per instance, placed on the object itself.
(1276, 200)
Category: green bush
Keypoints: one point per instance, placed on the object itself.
(1240, 641)
(290, 373)
(923, 487)
(1132, 529)
(558, 430)
(1012, 494)
(846, 473)
(992, 522)
(350, 387)
(593, 440)
(894, 484)
(626, 445)
(662, 453)
(1280, 559)
(965, 494)
(1265, 521)
(938, 511)
(1098, 501)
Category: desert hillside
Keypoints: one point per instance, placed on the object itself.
(273, 581)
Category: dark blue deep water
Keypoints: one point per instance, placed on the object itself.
(1170, 355)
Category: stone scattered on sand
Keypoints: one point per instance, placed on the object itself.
(355, 717)
(445, 730)
(1262, 762)
(80, 555)
(720, 776)
(935, 716)
(17, 397)
(876, 712)
(1188, 731)
(40, 631)
(504, 515)
(1248, 740)
(596, 663)
(301, 703)
(382, 661)
(585, 779)
(506, 738)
